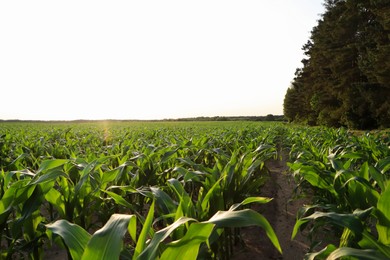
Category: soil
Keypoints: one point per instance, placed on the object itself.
(281, 213)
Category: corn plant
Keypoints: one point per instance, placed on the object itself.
(351, 188)
(161, 181)
(107, 242)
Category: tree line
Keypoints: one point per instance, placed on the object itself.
(345, 77)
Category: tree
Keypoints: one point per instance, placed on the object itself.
(345, 78)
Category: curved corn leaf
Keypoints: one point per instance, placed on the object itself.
(383, 215)
(74, 236)
(147, 225)
(326, 251)
(350, 221)
(244, 218)
(188, 246)
(119, 199)
(106, 243)
(50, 164)
(261, 200)
(366, 254)
(151, 250)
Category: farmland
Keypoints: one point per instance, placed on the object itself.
(142, 190)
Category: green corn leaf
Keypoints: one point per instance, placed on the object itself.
(163, 200)
(20, 157)
(147, 226)
(309, 174)
(74, 236)
(260, 200)
(109, 176)
(119, 199)
(214, 191)
(50, 164)
(384, 165)
(369, 241)
(50, 176)
(29, 207)
(151, 250)
(379, 177)
(366, 254)
(186, 206)
(132, 228)
(361, 191)
(383, 215)
(244, 218)
(326, 251)
(177, 187)
(167, 155)
(54, 197)
(106, 243)
(188, 246)
(350, 221)
(129, 189)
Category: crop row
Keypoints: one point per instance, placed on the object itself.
(348, 177)
(163, 190)
(142, 191)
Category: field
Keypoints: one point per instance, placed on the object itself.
(189, 190)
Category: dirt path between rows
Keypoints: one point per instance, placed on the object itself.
(281, 213)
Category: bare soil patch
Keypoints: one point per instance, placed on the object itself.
(281, 213)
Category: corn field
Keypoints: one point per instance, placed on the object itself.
(175, 190)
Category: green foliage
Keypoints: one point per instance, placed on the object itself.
(145, 181)
(348, 176)
(345, 77)
(161, 190)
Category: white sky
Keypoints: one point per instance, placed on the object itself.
(149, 59)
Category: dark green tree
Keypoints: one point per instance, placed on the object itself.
(345, 78)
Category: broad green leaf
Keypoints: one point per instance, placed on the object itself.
(371, 242)
(107, 242)
(50, 176)
(109, 176)
(384, 165)
(255, 165)
(379, 177)
(336, 164)
(129, 189)
(151, 250)
(260, 200)
(177, 187)
(17, 193)
(119, 199)
(163, 200)
(322, 253)
(167, 155)
(366, 254)
(132, 228)
(309, 174)
(362, 192)
(350, 221)
(32, 204)
(74, 236)
(50, 164)
(383, 215)
(186, 206)
(214, 191)
(147, 226)
(54, 197)
(90, 167)
(244, 218)
(188, 246)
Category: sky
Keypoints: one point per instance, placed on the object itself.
(67, 60)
